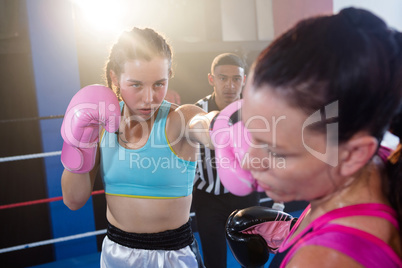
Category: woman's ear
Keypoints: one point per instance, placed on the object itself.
(115, 79)
(356, 152)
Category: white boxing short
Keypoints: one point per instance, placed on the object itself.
(170, 249)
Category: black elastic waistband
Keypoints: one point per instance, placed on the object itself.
(167, 240)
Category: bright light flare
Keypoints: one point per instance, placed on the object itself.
(101, 15)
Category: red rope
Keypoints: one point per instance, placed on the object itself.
(46, 200)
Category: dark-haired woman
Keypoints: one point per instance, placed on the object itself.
(336, 84)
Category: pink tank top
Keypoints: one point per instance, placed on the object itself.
(365, 248)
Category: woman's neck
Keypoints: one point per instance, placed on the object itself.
(366, 186)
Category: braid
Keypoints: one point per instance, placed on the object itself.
(109, 81)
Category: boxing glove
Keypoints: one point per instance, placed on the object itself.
(231, 141)
(91, 107)
(252, 233)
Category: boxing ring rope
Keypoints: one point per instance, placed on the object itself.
(66, 238)
(52, 199)
(30, 119)
(52, 241)
(40, 201)
(28, 156)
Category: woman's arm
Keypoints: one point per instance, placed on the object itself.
(77, 188)
(197, 123)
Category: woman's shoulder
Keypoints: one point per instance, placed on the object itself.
(319, 256)
(342, 247)
(335, 239)
(377, 219)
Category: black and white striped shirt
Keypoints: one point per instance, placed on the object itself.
(206, 177)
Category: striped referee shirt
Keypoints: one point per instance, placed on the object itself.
(206, 178)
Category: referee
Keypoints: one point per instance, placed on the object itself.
(213, 203)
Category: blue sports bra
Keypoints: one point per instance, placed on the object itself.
(153, 171)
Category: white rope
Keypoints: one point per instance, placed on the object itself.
(50, 241)
(28, 156)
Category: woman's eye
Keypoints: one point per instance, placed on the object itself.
(274, 154)
(159, 85)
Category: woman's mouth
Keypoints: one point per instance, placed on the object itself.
(264, 186)
(261, 185)
(145, 111)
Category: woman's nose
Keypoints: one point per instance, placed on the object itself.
(255, 160)
(148, 95)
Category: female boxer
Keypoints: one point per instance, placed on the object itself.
(146, 156)
(335, 82)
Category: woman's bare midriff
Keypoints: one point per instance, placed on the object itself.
(143, 215)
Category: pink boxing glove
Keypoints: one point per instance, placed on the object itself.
(91, 107)
(231, 141)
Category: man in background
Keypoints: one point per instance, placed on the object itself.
(213, 203)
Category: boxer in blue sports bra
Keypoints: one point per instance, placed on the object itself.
(147, 165)
(126, 173)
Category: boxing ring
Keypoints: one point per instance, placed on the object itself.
(77, 236)
(53, 199)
